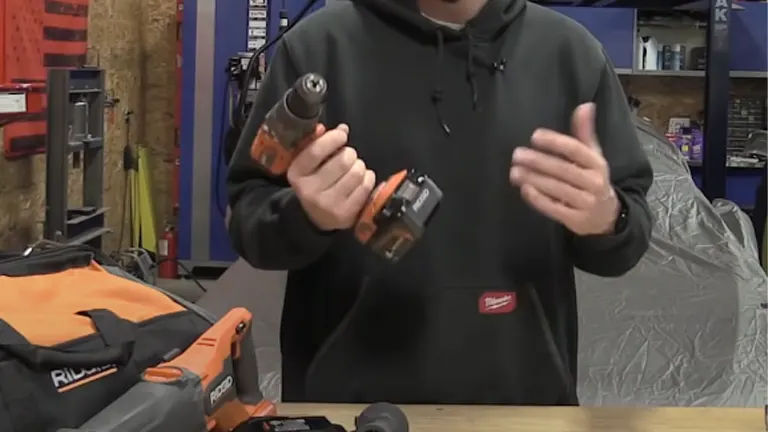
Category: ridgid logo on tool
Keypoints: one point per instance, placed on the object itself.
(66, 379)
(497, 303)
(220, 390)
(420, 200)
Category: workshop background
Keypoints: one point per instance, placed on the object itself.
(135, 42)
(695, 304)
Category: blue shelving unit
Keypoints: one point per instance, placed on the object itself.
(213, 31)
(613, 27)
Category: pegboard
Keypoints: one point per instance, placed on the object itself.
(24, 40)
(38, 34)
(3, 31)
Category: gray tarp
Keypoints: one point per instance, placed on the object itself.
(684, 328)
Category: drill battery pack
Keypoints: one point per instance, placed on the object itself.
(290, 424)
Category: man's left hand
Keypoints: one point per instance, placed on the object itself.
(567, 178)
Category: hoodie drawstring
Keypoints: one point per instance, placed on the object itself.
(437, 92)
(471, 69)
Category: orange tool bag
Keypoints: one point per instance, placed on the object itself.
(74, 336)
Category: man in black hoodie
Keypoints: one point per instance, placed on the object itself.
(516, 113)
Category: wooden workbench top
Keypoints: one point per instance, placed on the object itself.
(552, 419)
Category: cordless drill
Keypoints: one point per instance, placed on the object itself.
(397, 212)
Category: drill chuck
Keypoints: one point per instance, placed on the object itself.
(290, 125)
(306, 98)
(382, 417)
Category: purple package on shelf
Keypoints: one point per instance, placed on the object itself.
(683, 143)
(697, 145)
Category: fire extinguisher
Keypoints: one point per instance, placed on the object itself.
(168, 267)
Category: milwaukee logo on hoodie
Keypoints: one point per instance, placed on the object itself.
(497, 303)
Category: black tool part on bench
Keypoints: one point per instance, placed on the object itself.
(382, 417)
(290, 424)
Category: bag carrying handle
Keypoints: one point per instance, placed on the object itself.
(118, 334)
(54, 260)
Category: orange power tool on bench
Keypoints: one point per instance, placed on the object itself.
(213, 386)
(398, 210)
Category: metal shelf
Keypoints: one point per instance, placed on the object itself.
(637, 4)
(717, 14)
(689, 73)
(89, 237)
(730, 165)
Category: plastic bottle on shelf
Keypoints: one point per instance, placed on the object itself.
(676, 57)
(647, 53)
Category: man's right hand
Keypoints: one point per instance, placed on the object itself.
(331, 182)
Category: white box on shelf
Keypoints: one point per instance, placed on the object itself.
(257, 32)
(677, 123)
(257, 14)
(255, 44)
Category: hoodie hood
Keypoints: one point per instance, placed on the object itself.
(490, 23)
(478, 41)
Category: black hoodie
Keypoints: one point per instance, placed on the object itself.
(483, 308)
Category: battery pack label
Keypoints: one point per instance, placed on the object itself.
(292, 425)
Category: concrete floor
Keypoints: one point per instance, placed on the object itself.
(186, 288)
(261, 292)
(258, 291)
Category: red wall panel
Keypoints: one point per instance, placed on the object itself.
(39, 34)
